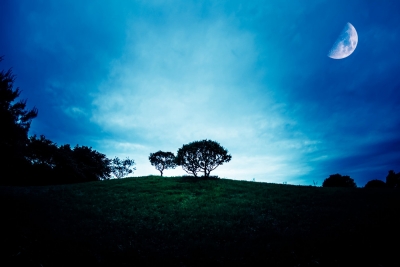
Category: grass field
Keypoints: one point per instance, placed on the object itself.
(191, 222)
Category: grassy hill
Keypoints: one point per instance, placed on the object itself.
(190, 222)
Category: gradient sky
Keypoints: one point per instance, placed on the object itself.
(133, 77)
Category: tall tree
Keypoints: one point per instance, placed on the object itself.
(15, 121)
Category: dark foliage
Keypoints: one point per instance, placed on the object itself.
(92, 165)
(202, 156)
(67, 168)
(393, 179)
(162, 160)
(52, 164)
(42, 155)
(39, 161)
(337, 180)
(121, 168)
(15, 121)
(375, 184)
(80, 164)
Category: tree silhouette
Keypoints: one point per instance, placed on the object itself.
(393, 179)
(41, 154)
(93, 165)
(337, 180)
(54, 164)
(162, 160)
(15, 121)
(375, 184)
(202, 156)
(121, 168)
(41, 151)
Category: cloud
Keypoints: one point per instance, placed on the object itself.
(175, 78)
(135, 77)
(196, 81)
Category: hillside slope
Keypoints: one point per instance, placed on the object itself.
(191, 222)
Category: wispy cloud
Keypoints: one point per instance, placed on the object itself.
(134, 77)
(195, 81)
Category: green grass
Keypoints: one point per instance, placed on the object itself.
(193, 222)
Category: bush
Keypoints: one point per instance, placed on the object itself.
(337, 180)
(375, 184)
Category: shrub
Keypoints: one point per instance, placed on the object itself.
(337, 180)
(375, 183)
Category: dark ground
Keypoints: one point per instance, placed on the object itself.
(186, 222)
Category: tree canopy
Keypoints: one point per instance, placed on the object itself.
(337, 180)
(162, 160)
(393, 179)
(15, 121)
(375, 184)
(121, 168)
(202, 156)
(53, 164)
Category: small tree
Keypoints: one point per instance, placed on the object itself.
(202, 156)
(337, 180)
(162, 160)
(121, 168)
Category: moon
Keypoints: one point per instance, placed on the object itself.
(345, 44)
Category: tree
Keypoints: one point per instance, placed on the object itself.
(162, 160)
(41, 154)
(337, 180)
(93, 165)
(41, 151)
(393, 179)
(202, 156)
(375, 184)
(68, 169)
(121, 168)
(80, 164)
(15, 121)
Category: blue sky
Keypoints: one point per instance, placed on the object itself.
(129, 78)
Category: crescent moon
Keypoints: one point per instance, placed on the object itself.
(345, 44)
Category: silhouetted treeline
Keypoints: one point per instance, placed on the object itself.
(38, 161)
(51, 164)
(338, 180)
(392, 181)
